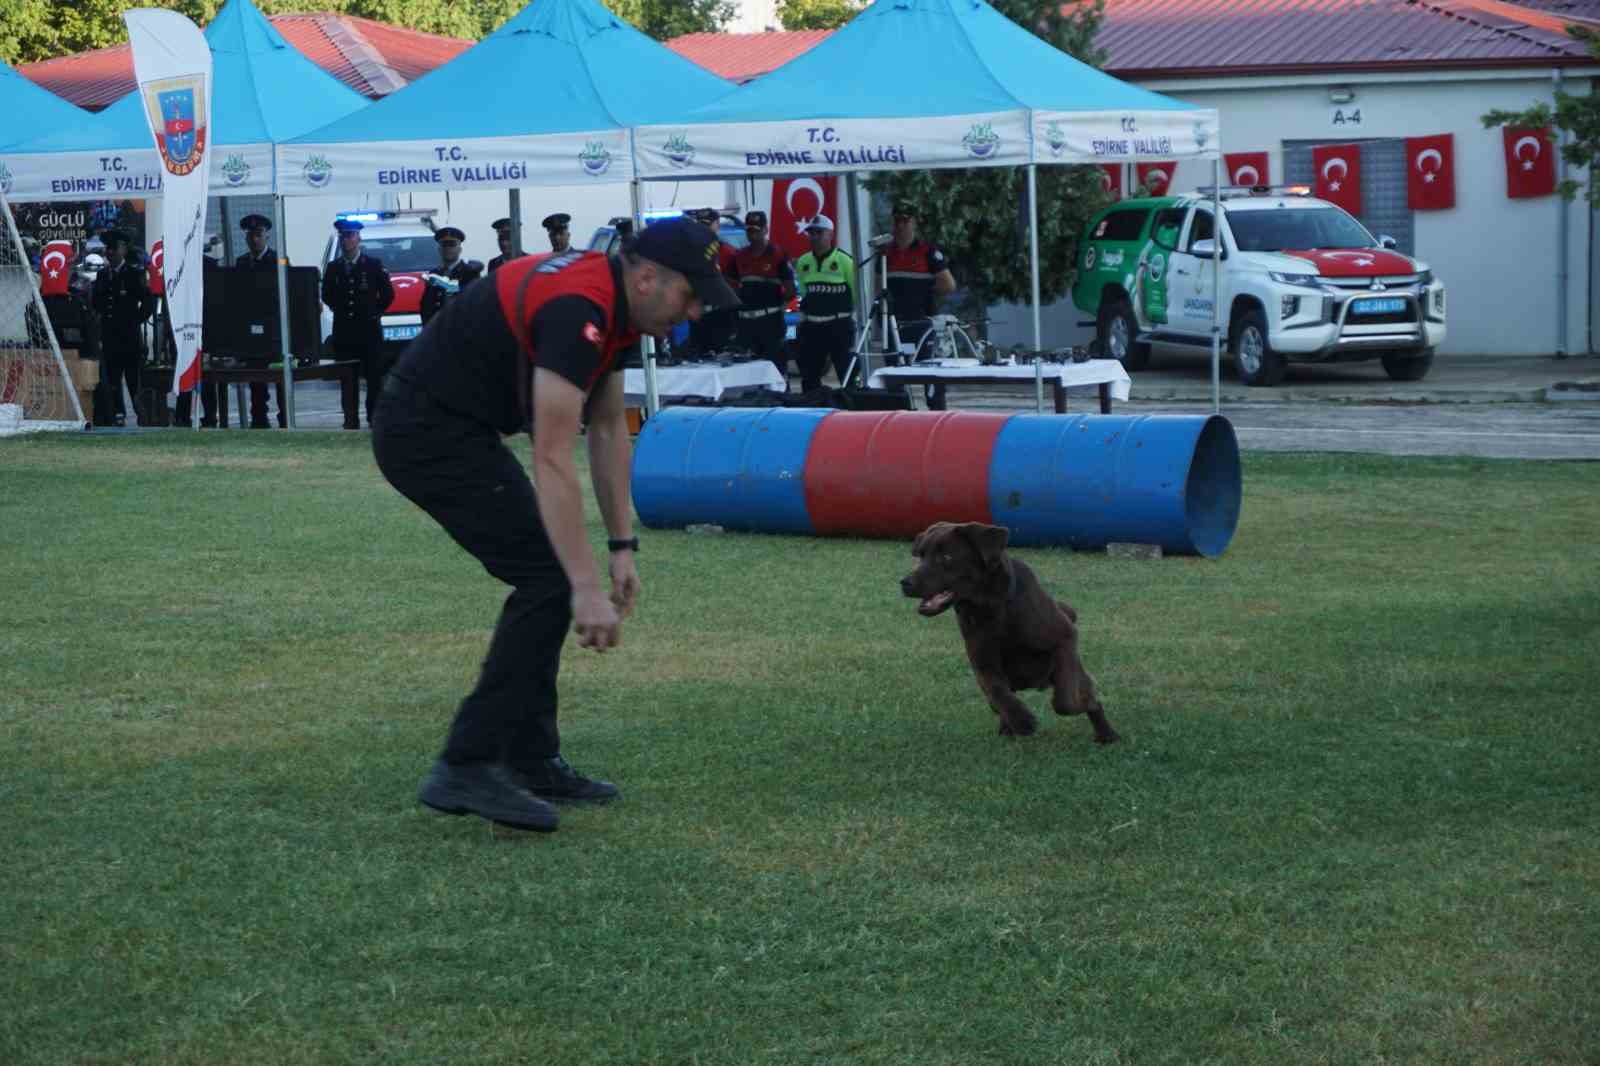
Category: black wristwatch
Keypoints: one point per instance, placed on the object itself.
(629, 545)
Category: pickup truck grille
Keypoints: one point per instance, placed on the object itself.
(1395, 281)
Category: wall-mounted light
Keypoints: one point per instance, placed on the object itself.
(1341, 94)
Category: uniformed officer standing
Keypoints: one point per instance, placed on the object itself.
(827, 278)
(919, 275)
(357, 288)
(121, 297)
(502, 235)
(451, 275)
(556, 227)
(765, 282)
(713, 331)
(258, 256)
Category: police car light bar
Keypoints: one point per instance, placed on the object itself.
(660, 213)
(380, 216)
(1230, 191)
(357, 216)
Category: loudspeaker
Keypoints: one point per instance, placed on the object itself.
(241, 314)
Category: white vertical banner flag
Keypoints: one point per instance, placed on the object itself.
(172, 63)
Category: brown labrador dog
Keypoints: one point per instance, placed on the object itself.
(1017, 636)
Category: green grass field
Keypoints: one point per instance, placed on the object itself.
(1353, 820)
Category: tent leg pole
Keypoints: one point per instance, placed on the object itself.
(647, 345)
(1033, 250)
(283, 318)
(1216, 286)
(514, 205)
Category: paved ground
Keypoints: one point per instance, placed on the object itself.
(1511, 408)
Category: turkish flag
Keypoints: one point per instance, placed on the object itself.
(1431, 172)
(55, 268)
(158, 283)
(1247, 168)
(1338, 169)
(1111, 180)
(1530, 163)
(796, 201)
(1155, 177)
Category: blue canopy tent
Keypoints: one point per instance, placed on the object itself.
(31, 111)
(590, 78)
(991, 94)
(547, 99)
(263, 91)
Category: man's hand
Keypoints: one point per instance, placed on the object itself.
(624, 583)
(595, 619)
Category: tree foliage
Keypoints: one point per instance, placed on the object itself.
(816, 14)
(31, 30)
(979, 216)
(1578, 116)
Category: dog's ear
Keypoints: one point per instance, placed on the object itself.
(990, 541)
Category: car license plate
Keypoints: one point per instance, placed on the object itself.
(1378, 307)
(401, 333)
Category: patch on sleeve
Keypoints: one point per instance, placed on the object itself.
(591, 333)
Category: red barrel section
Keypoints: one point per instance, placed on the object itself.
(894, 473)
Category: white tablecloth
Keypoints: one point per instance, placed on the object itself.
(1074, 376)
(706, 379)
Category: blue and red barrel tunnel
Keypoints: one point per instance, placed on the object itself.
(1080, 481)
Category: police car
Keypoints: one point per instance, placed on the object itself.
(1301, 281)
(403, 242)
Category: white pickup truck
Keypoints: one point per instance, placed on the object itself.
(1302, 281)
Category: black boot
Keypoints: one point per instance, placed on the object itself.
(488, 790)
(554, 779)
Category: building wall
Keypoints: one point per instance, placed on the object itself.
(1497, 256)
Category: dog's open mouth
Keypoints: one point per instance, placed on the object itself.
(939, 601)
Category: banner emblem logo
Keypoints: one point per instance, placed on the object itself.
(1201, 134)
(981, 140)
(235, 171)
(176, 107)
(680, 153)
(594, 158)
(1056, 138)
(317, 171)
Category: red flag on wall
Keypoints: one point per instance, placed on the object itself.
(55, 268)
(796, 201)
(1431, 172)
(1156, 177)
(1247, 168)
(1111, 180)
(1530, 163)
(158, 284)
(1338, 170)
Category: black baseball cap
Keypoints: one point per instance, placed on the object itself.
(688, 248)
(756, 218)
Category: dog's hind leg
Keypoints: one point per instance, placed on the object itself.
(1074, 692)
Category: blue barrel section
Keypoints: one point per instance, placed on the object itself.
(1088, 480)
(737, 467)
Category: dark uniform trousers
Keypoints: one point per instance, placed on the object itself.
(459, 471)
(821, 343)
(763, 335)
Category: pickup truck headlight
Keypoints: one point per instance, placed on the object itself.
(1309, 280)
(1425, 278)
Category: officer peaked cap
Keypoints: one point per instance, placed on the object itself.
(250, 222)
(501, 224)
(558, 220)
(448, 233)
(347, 225)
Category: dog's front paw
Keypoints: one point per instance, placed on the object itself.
(1024, 725)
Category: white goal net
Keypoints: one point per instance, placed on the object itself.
(37, 391)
